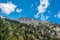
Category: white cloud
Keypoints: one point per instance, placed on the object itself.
(58, 15)
(47, 17)
(32, 5)
(7, 7)
(55, 15)
(36, 16)
(18, 10)
(44, 17)
(42, 7)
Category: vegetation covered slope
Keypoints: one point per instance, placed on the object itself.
(13, 30)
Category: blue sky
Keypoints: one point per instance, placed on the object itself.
(50, 9)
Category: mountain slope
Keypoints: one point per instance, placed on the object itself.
(16, 30)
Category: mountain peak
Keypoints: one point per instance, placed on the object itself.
(28, 21)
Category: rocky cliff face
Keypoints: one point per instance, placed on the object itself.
(34, 22)
(28, 21)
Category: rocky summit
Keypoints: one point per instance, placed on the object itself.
(28, 21)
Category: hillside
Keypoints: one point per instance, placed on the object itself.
(28, 30)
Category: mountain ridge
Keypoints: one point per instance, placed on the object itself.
(31, 21)
(15, 30)
(34, 21)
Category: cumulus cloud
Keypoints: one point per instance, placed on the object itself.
(42, 7)
(9, 7)
(18, 10)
